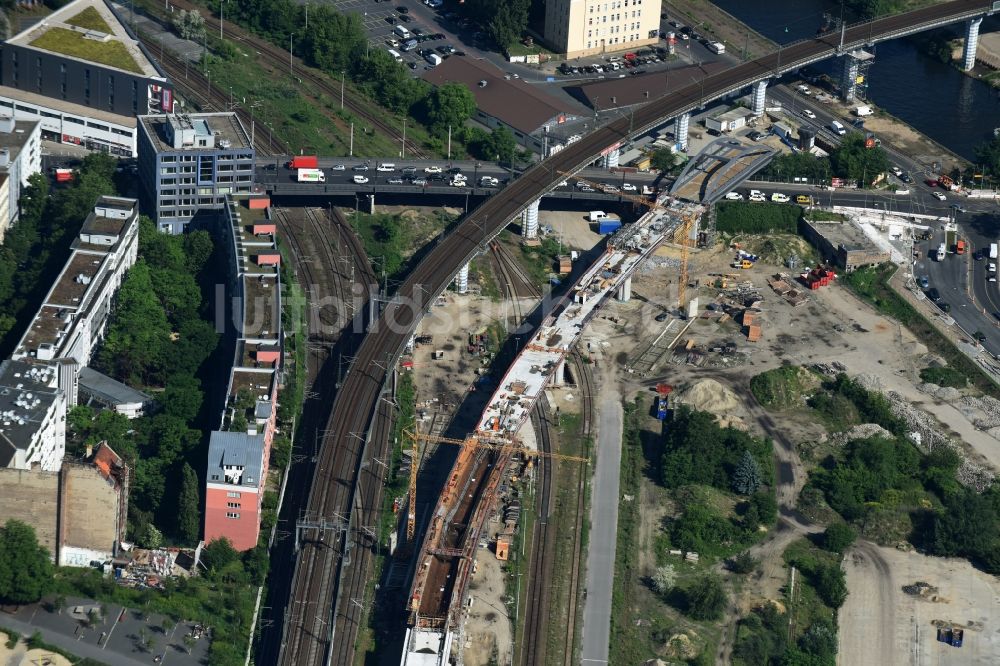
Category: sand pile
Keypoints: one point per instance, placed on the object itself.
(710, 396)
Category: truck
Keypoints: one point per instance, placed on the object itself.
(608, 225)
(311, 176)
(940, 252)
(597, 215)
(862, 111)
(64, 175)
(304, 162)
(993, 251)
(960, 246)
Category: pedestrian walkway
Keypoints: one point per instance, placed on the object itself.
(603, 531)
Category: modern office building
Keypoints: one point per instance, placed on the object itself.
(20, 157)
(72, 318)
(80, 72)
(239, 452)
(189, 163)
(590, 27)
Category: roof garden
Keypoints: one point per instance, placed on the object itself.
(89, 19)
(78, 45)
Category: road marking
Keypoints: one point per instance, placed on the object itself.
(117, 618)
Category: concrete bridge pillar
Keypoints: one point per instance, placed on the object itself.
(625, 291)
(462, 280)
(529, 221)
(681, 130)
(848, 83)
(971, 43)
(759, 96)
(611, 159)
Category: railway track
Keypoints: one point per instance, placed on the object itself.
(278, 57)
(585, 388)
(344, 454)
(197, 88)
(533, 644)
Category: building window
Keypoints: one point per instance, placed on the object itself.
(234, 494)
(230, 514)
(233, 505)
(215, 477)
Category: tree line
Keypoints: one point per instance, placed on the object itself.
(158, 340)
(851, 161)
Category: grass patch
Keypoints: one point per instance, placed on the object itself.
(756, 218)
(539, 261)
(820, 215)
(482, 274)
(872, 284)
(67, 42)
(391, 240)
(783, 387)
(944, 377)
(90, 19)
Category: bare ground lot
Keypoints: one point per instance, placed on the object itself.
(880, 624)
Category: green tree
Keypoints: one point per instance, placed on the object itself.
(663, 159)
(831, 585)
(706, 598)
(189, 506)
(256, 563)
(746, 476)
(664, 578)
(743, 563)
(25, 568)
(502, 145)
(152, 537)
(853, 161)
(820, 639)
(138, 338)
(189, 24)
(838, 537)
(219, 553)
(182, 397)
(449, 105)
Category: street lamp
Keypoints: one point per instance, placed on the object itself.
(222, 3)
(291, 35)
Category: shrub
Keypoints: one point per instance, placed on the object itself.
(839, 537)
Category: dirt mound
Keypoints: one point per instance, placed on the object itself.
(710, 396)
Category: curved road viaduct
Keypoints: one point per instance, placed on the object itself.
(326, 633)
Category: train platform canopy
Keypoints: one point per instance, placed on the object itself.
(519, 105)
(87, 30)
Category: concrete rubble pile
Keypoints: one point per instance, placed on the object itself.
(655, 262)
(924, 433)
(945, 393)
(986, 412)
(861, 431)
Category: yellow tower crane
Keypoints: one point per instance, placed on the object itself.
(485, 441)
(686, 225)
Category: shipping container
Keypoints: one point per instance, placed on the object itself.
(993, 250)
(609, 225)
(304, 162)
(311, 176)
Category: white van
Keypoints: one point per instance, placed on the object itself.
(433, 59)
(838, 128)
(717, 48)
(386, 166)
(402, 32)
(395, 55)
(597, 215)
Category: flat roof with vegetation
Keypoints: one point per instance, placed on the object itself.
(111, 53)
(90, 19)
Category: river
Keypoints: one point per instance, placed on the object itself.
(955, 110)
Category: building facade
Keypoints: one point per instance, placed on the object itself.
(32, 417)
(190, 163)
(20, 158)
(843, 244)
(91, 101)
(239, 452)
(79, 512)
(592, 27)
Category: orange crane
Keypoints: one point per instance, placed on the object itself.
(485, 441)
(686, 226)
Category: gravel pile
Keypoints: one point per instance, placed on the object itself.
(655, 262)
(986, 412)
(923, 430)
(945, 393)
(863, 431)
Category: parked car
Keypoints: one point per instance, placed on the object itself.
(933, 294)
(395, 181)
(359, 167)
(629, 187)
(734, 196)
(808, 113)
(360, 180)
(433, 169)
(939, 196)
(419, 181)
(337, 167)
(778, 197)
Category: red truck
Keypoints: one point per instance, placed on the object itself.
(960, 246)
(304, 162)
(64, 175)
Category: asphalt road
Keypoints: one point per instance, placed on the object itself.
(603, 534)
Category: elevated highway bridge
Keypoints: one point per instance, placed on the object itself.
(327, 631)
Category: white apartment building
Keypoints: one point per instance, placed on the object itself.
(20, 158)
(592, 27)
(32, 417)
(73, 316)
